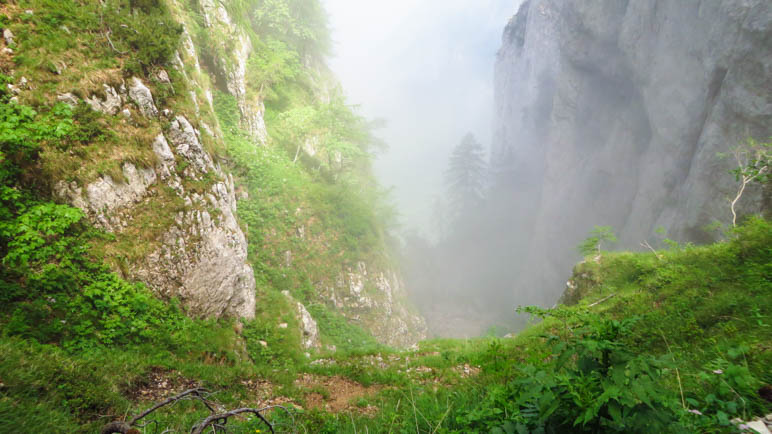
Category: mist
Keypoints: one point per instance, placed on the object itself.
(426, 68)
(573, 115)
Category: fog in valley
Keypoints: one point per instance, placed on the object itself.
(426, 68)
(516, 129)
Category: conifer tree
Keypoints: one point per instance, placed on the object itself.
(465, 177)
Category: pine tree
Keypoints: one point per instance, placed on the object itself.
(465, 177)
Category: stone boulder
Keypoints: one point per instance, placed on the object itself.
(140, 94)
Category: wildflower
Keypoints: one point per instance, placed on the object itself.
(718, 372)
(697, 412)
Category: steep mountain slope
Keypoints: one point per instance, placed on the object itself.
(613, 112)
(177, 90)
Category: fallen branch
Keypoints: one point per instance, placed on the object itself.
(602, 300)
(127, 427)
(110, 41)
(222, 418)
(646, 244)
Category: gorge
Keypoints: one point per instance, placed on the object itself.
(194, 232)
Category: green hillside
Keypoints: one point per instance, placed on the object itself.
(94, 213)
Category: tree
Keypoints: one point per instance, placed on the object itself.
(465, 177)
(753, 165)
(597, 236)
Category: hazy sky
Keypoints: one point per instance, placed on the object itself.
(426, 67)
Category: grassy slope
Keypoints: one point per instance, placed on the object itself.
(710, 304)
(52, 389)
(702, 308)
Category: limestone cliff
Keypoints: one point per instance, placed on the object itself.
(613, 112)
(166, 190)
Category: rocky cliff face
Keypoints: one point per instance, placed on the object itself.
(201, 257)
(377, 301)
(613, 113)
(171, 204)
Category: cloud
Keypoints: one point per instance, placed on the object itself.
(426, 66)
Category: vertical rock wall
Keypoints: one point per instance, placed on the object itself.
(615, 112)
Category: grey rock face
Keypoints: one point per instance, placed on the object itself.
(186, 143)
(110, 104)
(233, 69)
(309, 332)
(377, 301)
(614, 112)
(68, 98)
(140, 94)
(202, 257)
(105, 197)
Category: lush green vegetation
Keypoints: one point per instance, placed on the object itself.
(673, 341)
(682, 346)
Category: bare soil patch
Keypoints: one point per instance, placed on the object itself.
(160, 384)
(337, 393)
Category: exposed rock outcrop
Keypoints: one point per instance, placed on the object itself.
(233, 70)
(110, 103)
(140, 94)
(377, 301)
(105, 197)
(8, 36)
(613, 112)
(186, 143)
(309, 332)
(202, 259)
(202, 256)
(68, 98)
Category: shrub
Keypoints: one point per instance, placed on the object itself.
(146, 29)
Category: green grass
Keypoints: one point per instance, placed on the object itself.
(77, 341)
(700, 310)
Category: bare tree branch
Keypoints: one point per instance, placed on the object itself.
(126, 427)
(199, 429)
(646, 244)
(601, 300)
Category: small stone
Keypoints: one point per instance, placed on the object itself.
(163, 77)
(65, 29)
(263, 343)
(29, 12)
(126, 113)
(8, 36)
(7, 50)
(759, 426)
(14, 99)
(111, 103)
(167, 113)
(283, 325)
(308, 355)
(68, 98)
